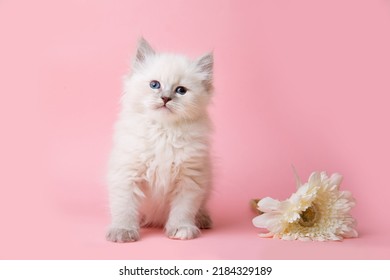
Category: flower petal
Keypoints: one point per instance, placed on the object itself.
(298, 181)
(268, 204)
(351, 234)
(315, 179)
(270, 221)
(268, 234)
(335, 180)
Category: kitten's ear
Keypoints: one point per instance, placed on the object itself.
(143, 51)
(204, 65)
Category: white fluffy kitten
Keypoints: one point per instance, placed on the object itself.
(159, 170)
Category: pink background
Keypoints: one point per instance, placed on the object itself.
(297, 82)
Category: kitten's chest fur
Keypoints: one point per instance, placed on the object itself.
(164, 149)
(167, 150)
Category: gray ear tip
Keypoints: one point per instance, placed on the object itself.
(144, 50)
(207, 58)
(210, 55)
(142, 41)
(205, 65)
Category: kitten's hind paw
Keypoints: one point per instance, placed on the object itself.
(183, 232)
(122, 235)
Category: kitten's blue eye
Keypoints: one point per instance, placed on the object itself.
(181, 90)
(155, 84)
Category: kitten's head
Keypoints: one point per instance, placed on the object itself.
(169, 87)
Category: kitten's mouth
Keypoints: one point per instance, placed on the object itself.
(164, 108)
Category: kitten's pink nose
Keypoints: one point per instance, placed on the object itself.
(166, 99)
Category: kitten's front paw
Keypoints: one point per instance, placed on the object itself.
(122, 235)
(182, 232)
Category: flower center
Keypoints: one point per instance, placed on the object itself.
(309, 216)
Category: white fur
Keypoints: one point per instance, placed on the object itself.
(159, 170)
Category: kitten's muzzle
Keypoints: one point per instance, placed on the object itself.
(166, 99)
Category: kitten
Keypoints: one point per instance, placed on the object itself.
(159, 170)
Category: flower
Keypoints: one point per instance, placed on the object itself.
(317, 211)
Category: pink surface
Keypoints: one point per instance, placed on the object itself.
(297, 82)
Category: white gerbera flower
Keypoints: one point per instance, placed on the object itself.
(317, 211)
